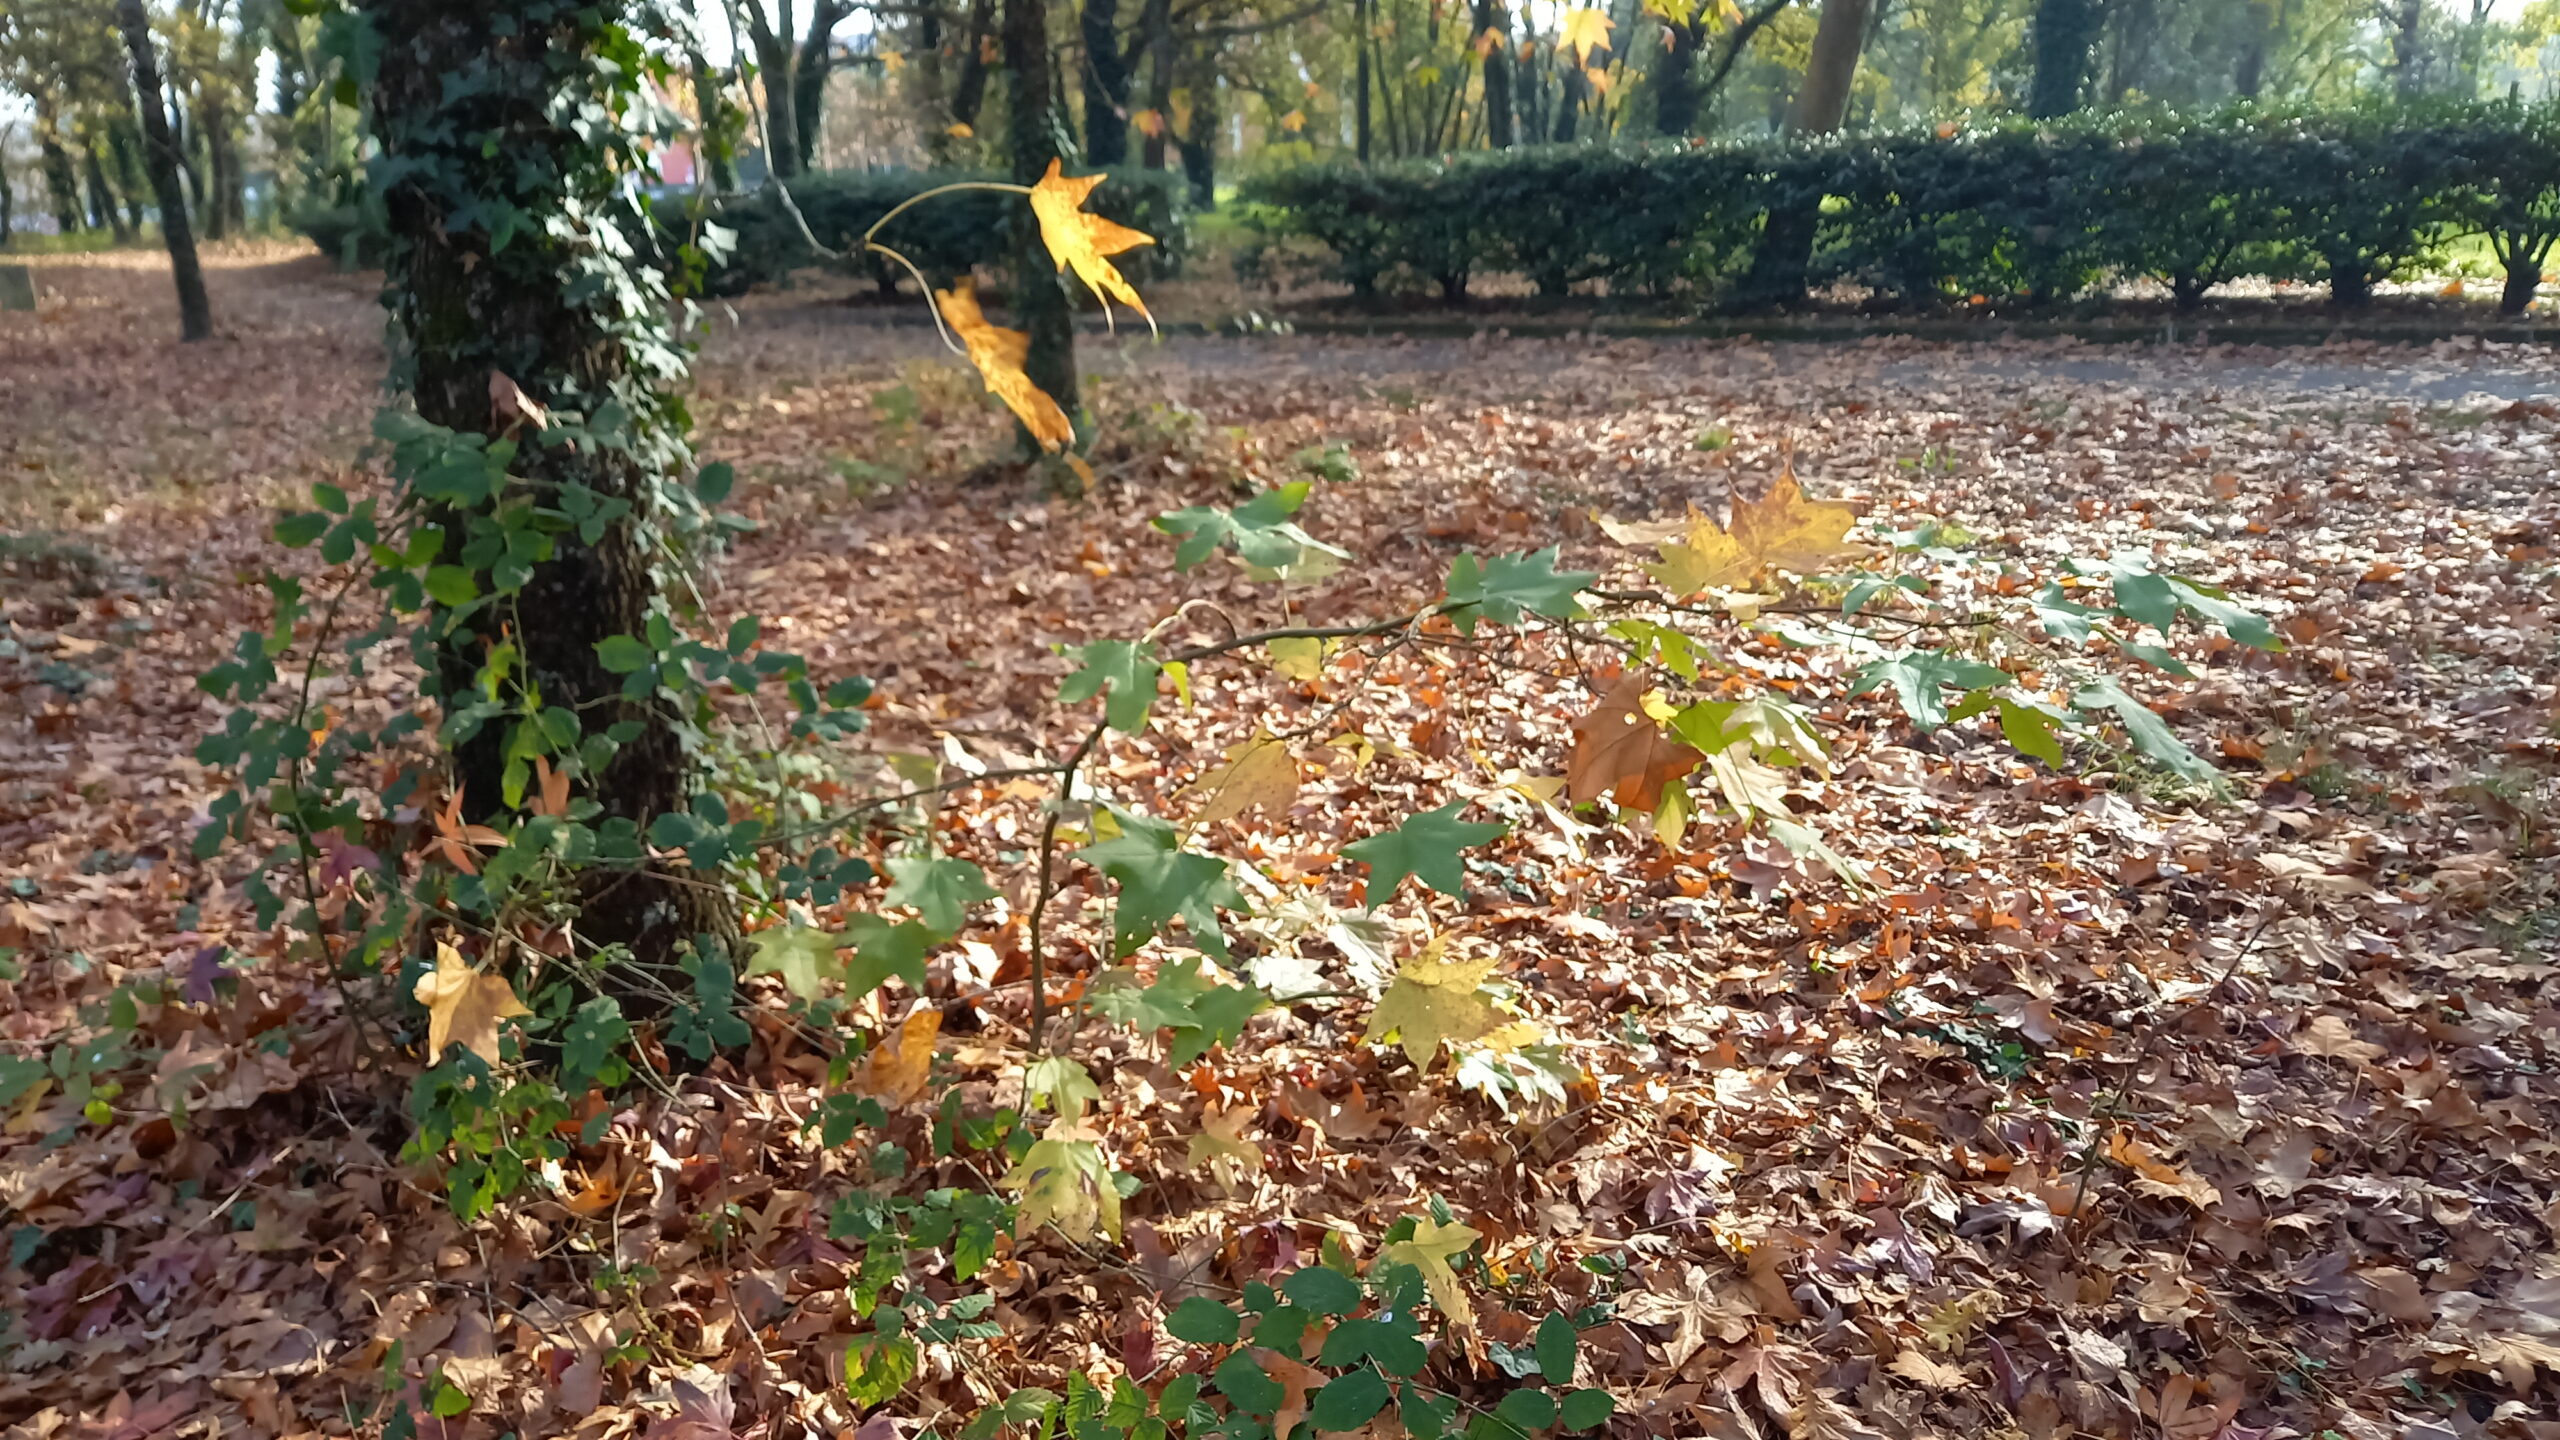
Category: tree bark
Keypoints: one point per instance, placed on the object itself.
(1156, 21)
(1675, 80)
(61, 176)
(1106, 84)
(776, 58)
(1360, 111)
(103, 213)
(1040, 302)
(2524, 277)
(2066, 31)
(130, 178)
(466, 311)
(1199, 140)
(809, 77)
(969, 92)
(1785, 252)
(1493, 18)
(195, 313)
(2408, 49)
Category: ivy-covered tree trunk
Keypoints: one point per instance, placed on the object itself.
(1199, 140)
(195, 313)
(473, 103)
(1033, 136)
(1106, 84)
(61, 177)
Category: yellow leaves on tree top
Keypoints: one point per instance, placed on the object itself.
(1081, 240)
(1619, 750)
(1432, 1002)
(999, 355)
(1583, 31)
(1429, 1251)
(464, 1006)
(1781, 529)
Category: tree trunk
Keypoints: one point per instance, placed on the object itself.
(1360, 111)
(130, 179)
(2066, 31)
(1106, 84)
(1569, 104)
(8, 206)
(1156, 21)
(809, 78)
(103, 213)
(1199, 141)
(1785, 252)
(1040, 302)
(969, 93)
(61, 176)
(2408, 49)
(1675, 81)
(2249, 75)
(1493, 18)
(195, 313)
(1824, 101)
(776, 58)
(474, 109)
(2524, 277)
(717, 134)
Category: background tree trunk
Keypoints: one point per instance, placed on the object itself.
(195, 313)
(103, 213)
(61, 176)
(1040, 301)
(2408, 48)
(1106, 84)
(1785, 252)
(1360, 111)
(464, 312)
(969, 92)
(809, 78)
(2066, 31)
(1493, 18)
(776, 60)
(1199, 140)
(1155, 22)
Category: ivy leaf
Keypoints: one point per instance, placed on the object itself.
(1432, 1002)
(1327, 1292)
(1125, 668)
(1203, 1321)
(1509, 586)
(1918, 676)
(1556, 1341)
(1429, 1251)
(1160, 882)
(1425, 847)
(882, 949)
(587, 1044)
(1585, 1409)
(940, 888)
(803, 957)
(1348, 1401)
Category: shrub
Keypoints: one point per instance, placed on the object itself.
(2028, 212)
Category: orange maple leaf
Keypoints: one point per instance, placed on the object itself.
(1619, 750)
(464, 1006)
(453, 839)
(1080, 240)
(896, 1071)
(554, 786)
(999, 355)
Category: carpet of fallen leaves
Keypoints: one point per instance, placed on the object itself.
(2111, 1110)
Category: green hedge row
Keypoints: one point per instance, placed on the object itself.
(2038, 213)
(945, 236)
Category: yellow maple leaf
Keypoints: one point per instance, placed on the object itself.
(464, 1006)
(1259, 774)
(896, 1071)
(1432, 1002)
(1221, 1148)
(1294, 121)
(1705, 558)
(1785, 529)
(959, 130)
(1150, 123)
(1081, 240)
(999, 355)
(1429, 1251)
(1583, 31)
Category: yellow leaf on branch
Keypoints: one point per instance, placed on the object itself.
(1583, 31)
(1781, 529)
(464, 1006)
(1081, 240)
(999, 355)
(1259, 774)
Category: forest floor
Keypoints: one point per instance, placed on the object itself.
(2107, 1106)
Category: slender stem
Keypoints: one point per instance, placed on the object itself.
(1049, 883)
(917, 199)
(931, 307)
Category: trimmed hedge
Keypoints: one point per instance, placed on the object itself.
(2020, 212)
(945, 236)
